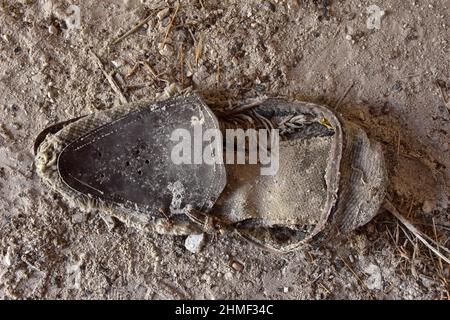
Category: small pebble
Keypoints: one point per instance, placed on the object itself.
(52, 93)
(162, 14)
(117, 63)
(52, 29)
(16, 126)
(195, 242)
(374, 19)
(7, 259)
(236, 265)
(206, 278)
(79, 217)
(228, 276)
(165, 50)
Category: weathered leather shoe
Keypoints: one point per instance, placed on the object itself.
(329, 177)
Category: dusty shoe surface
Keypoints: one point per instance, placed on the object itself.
(330, 177)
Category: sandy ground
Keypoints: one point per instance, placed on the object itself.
(393, 81)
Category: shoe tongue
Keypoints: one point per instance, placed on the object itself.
(129, 161)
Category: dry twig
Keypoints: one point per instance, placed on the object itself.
(132, 30)
(198, 50)
(170, 26)
(110, 78)
(427, 241)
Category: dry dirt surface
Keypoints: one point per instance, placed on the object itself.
(393, 80)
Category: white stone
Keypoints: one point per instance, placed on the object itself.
(228, 276)
(52, 29)
(7, 259)
(195, 242)
(375, 13)
(375, 279)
